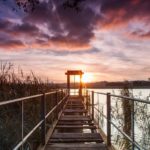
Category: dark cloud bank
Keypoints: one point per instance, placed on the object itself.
(71, 26)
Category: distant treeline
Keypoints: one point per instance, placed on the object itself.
(118, 84)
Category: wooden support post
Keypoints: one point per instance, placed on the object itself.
(43, 118)
(80, 88)
(92, 105)
(87, 108)
(132, 124)
(108, 120)
(22, 120)
(68, 84)
(61, 93)
(57, 109)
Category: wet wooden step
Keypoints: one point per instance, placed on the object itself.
(75, 130)
(75, 140)
(75, 119)
(74, 127)
(79, 146)
(74, 123)
(75, 103)
(76, 136)
(75, 106)
(74, 111)
(74, 116)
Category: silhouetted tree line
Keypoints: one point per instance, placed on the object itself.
(106, 84)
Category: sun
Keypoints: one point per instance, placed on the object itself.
(87, 77)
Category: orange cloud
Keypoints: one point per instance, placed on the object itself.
(12, 45)
(61, 45)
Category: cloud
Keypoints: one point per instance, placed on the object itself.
(120, 13)
(53, 26)
(66, 25)
(140, 34)
(11, 44)
(76, 52)
(25, 28)
(4, 24)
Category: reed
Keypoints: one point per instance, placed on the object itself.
(14, 83)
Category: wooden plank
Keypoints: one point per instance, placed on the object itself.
(74, 127)
(75, 140)
(81, 104)
(75, 106)
(74, 101)
(74, 119)
(72, 148)
(74, 123)
(75, 116)
(74, 111)
(76, 136)
(58, 148)
(80, 145)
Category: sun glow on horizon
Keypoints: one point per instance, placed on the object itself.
(87, 77)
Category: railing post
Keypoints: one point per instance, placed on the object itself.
(43, 118)
(98, 108)
(22, 121)
(61, 94)
(87, 101)
(57, 110)
(92, 105)
(108, 120)
(132, 123)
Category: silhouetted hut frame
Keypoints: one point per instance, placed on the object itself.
(74, 73)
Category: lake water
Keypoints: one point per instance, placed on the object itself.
(141, 116)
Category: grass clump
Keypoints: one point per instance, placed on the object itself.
(16, 84)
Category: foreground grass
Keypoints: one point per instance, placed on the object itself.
(15, 84)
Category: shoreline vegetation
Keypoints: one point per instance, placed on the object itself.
(139, 84)
(15, 84)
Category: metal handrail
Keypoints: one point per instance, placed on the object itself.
(53, 109)
(131, 98)
(124, 97)
(102, 93)
(28, 135)
(38, 125)
(133, 142)
(19, 99)
(108, 116)
(44, 116)
(25, 98)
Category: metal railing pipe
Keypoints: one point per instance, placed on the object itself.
(108, 119)
(27, 136)
(92, 105)
(19, 99)
(43, 132)
(131, 98)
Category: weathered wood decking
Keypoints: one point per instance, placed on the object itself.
(75, 130)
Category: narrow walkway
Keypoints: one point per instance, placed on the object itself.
(75, 130)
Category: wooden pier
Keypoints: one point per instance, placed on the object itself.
(75, 129)
(72, 122)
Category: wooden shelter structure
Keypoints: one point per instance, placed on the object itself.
(74, 73)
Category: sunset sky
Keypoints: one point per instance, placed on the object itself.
(108, 39)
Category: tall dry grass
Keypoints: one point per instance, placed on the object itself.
(14, 84)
